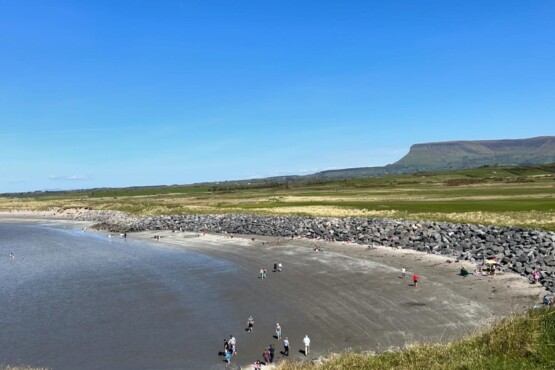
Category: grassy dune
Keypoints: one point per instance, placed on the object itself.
(520, 342)
(523, 196)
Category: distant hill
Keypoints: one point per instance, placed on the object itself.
(453, 155)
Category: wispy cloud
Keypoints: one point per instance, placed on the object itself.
(72, 177)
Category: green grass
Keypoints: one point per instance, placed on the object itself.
(521, 196)
(520, 342)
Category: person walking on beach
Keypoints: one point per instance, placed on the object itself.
(306, 342)
(275, 266)
(264, 274)
(261, 273)
(278, 331)
(266, 355)
(272, 350)
(232, 345)
(415, 279)
(226, 347)
(250, 324)
(403, 272)
(12, 256)
(228, 357)
(286, 346)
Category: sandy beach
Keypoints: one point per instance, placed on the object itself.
(352, 297)
(346, 297)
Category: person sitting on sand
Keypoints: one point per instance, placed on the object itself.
(280, 266)
(536, 277)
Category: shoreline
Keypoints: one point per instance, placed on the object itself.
(340, 283)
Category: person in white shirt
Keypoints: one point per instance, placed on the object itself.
(306, 342)
(232, 344)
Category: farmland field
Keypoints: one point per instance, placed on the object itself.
(521, 196)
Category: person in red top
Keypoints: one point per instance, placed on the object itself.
(415, 279)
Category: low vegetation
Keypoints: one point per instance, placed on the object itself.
(519, 342)
(510, 196)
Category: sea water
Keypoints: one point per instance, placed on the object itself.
(76, 300)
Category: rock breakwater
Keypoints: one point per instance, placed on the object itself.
(523, 250)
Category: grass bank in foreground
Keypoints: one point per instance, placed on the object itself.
(520, 342)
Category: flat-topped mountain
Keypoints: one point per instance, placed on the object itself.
(465, 154)
(452, 155)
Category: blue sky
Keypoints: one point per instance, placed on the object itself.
(121, 93)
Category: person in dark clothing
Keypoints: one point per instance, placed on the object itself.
(272, 352)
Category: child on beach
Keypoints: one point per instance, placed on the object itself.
(278, 331)
(415, 279)
(280, 266)
(403, 272)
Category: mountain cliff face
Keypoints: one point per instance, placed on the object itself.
(468, 154)
(452, 155)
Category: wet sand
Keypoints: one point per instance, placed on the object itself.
(347, 297)
(352, 297)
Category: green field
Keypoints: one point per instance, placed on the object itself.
(522, 196)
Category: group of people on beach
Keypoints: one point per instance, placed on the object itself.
(278, 267)
(230, 346)
(415, 277)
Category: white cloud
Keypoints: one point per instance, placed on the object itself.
(72, 177)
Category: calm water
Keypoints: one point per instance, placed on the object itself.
(80, 301)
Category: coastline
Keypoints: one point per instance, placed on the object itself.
(347, 297)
